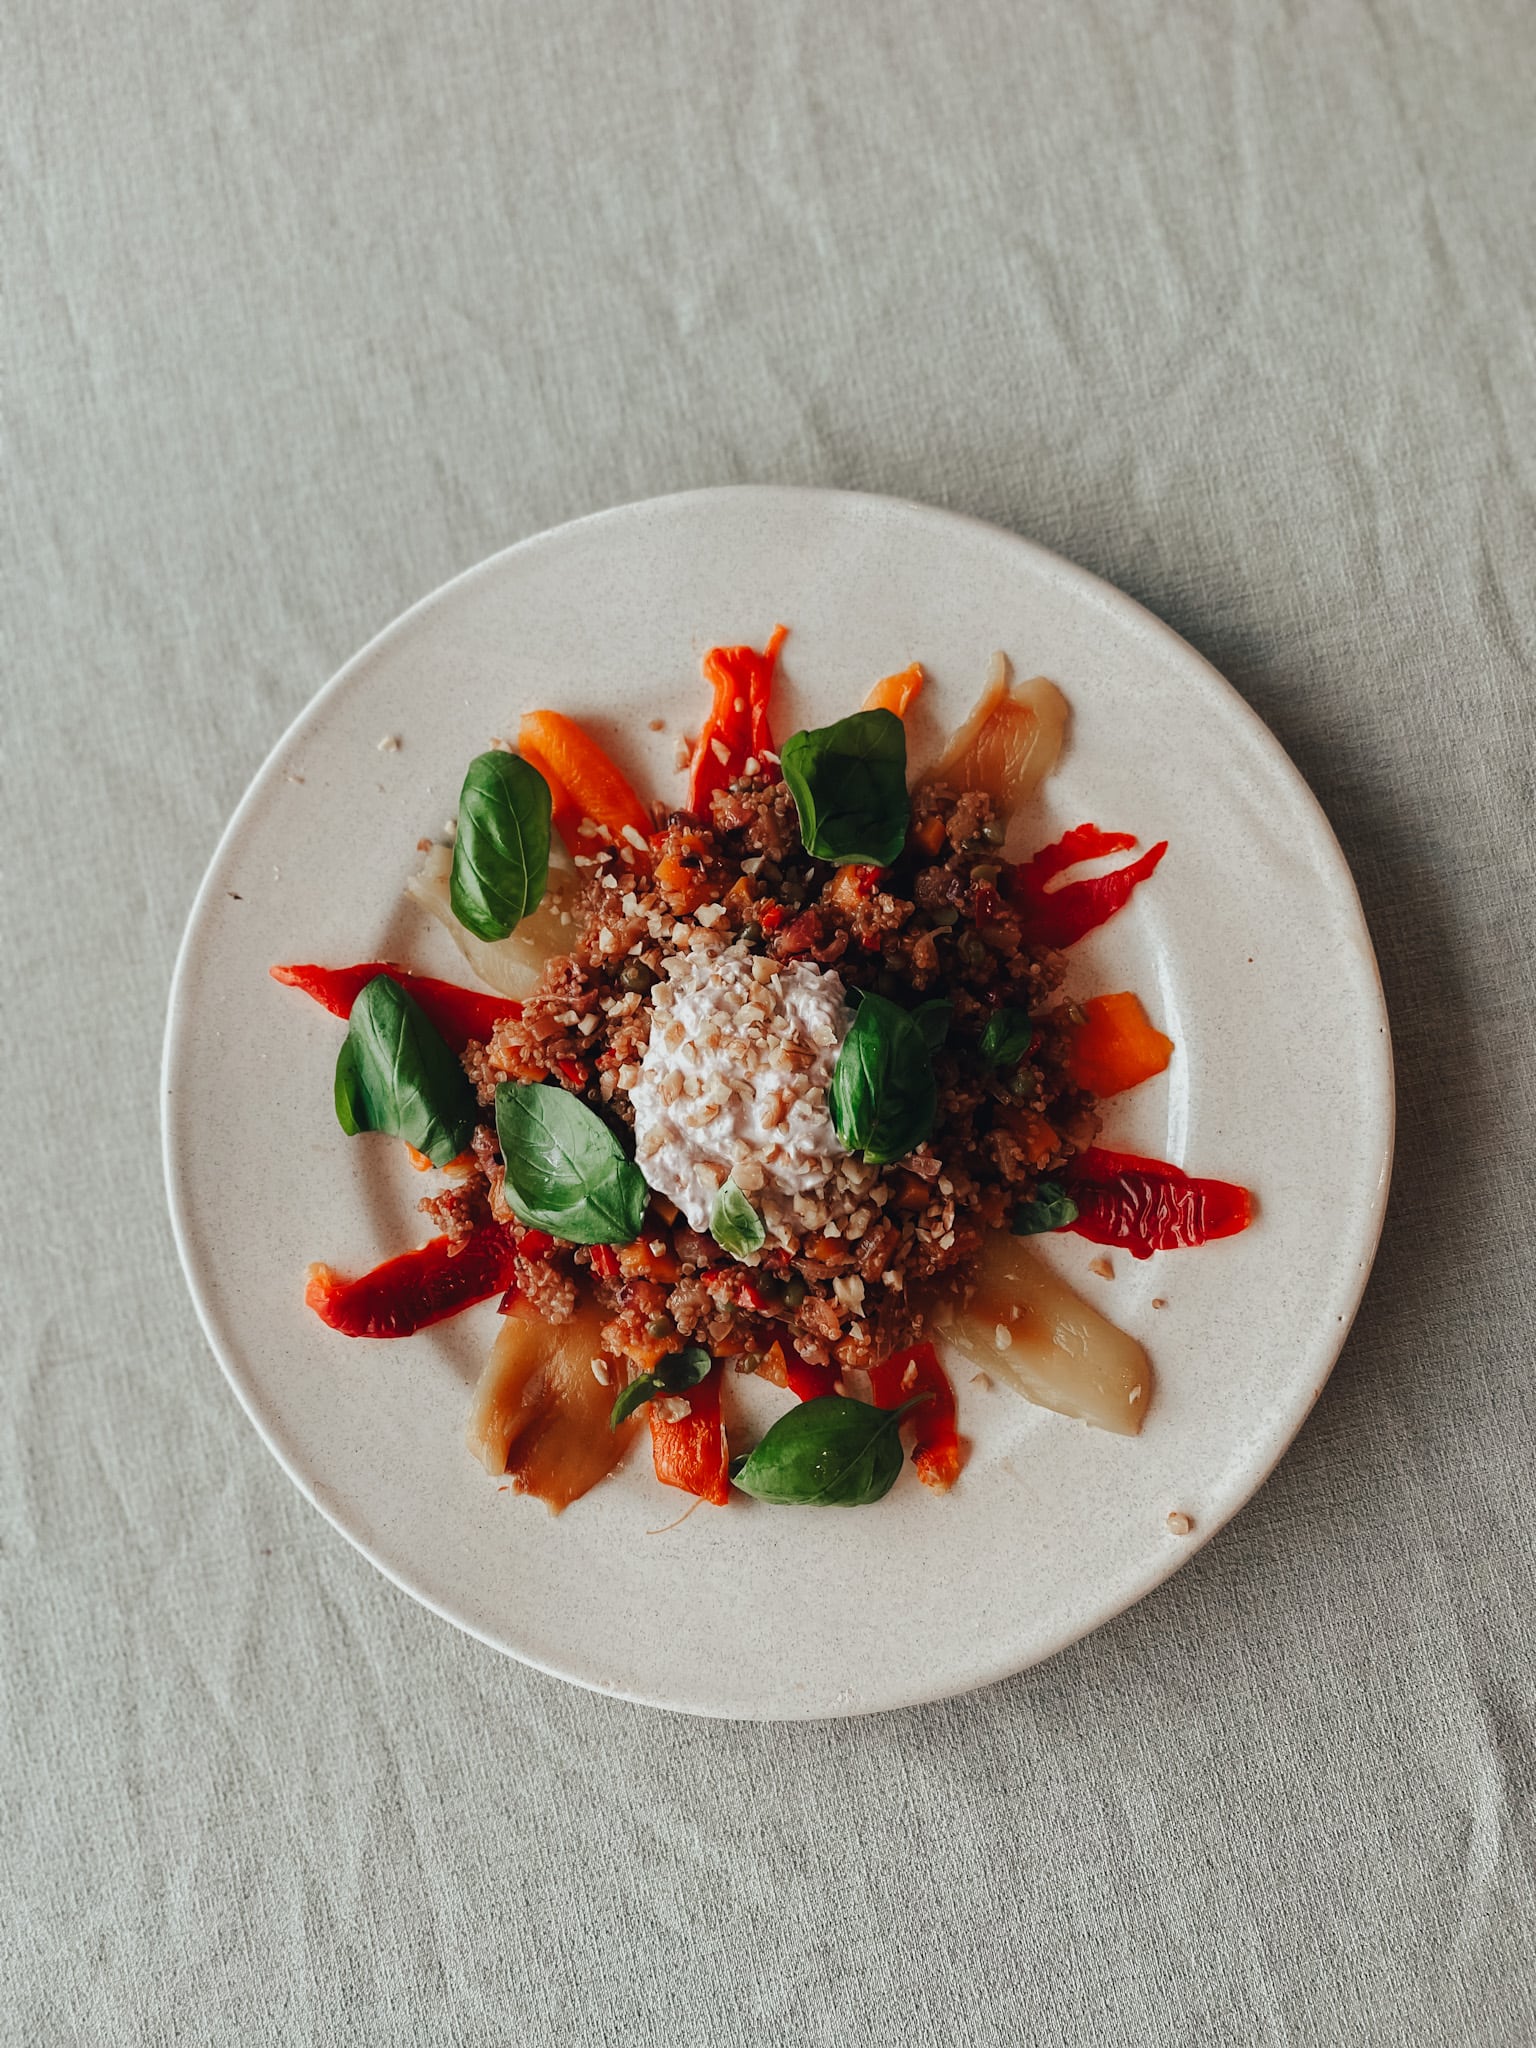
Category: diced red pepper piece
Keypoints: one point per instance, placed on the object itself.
(573, 1071)
(1060, 917)
(418, 1288)
(605, 1262)
(938, 1450)
(1145, 1205)
(460, 1014)
(807, 1382)
(691, 1453)
(737, 728)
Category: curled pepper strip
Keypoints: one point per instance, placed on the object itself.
(737, 728)
(938, 1451)
(691, 1453)
(1060, 917)
(583, 782)
(459, 1014)
(417, 1289)
(1145, 1205)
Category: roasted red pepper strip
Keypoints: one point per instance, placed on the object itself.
(1060, 917)
(938, 1451)
(1145, 1205)
(691, 1453)
(420, 1287)
(460, 1014)
(737, 725)
(807, 1382)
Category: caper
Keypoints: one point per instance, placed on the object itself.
(995, 831)
(985, 873)
(971, 950)
(637, 977)
(659, 1326)
(945, 916)
(794, 1291)
(752, 935)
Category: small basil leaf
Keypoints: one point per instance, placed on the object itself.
(830, 1452)
(501, 855)
(1007, 1038)
(849, 783)
(566, 1171)
(734, 1224)
(883, 1096)
(1052, 1208)
(677, 1372)
(351, 1103)
(395, 1074)
(932, 1019)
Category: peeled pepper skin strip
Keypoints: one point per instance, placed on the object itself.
(1060, 917)
(1115, 1047)
(938, 1451)
(459, 1014)
(417, 1289)
(739, 676)
(581, 778)
(691, 1452)
(1145, 1205)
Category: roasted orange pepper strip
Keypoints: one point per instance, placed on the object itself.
(737, 729)
(1116, 1046)
(691, 1452)
(581, 778)
(896, 693)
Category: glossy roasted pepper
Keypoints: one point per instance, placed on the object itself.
(737, 728)
(459, 1014)
(417, 1289)
(1145, 1205)
(1060, 917)
(691, 1452)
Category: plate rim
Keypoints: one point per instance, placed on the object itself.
(1108, 598)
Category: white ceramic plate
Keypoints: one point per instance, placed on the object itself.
(1248, 946)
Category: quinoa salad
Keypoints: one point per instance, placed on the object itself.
(774, 1077)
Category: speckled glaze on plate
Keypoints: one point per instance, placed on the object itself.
(1251, 922)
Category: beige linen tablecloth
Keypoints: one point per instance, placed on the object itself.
(306, 307)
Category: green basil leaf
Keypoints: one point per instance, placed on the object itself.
(1007, 1038)
(883, 1096)
(677, 1372)
(830, 1452)
(1052, 1208)
(932, 1019)
(351, 1103)
(566, 1171)
(849, 783)
(501, 854)
(395, 1074)
(734, 1224)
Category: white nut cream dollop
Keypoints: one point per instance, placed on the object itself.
(734, 1084)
